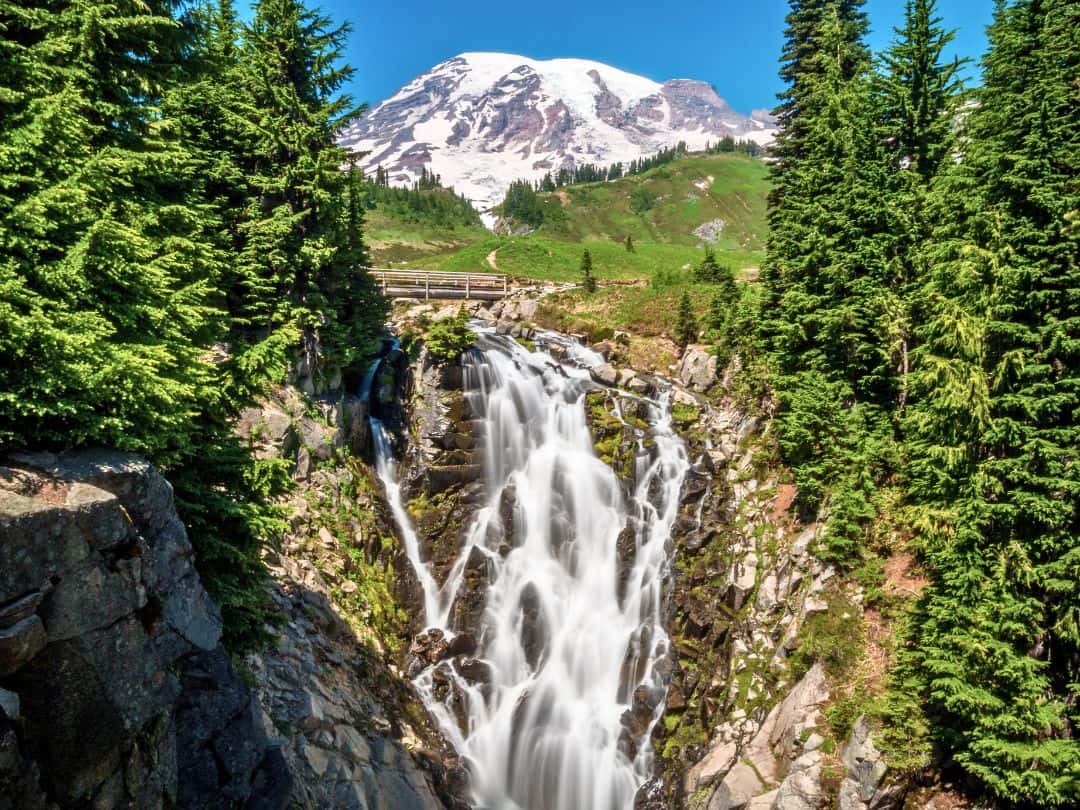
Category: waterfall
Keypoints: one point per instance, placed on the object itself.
(572, 635)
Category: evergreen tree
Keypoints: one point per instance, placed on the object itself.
(994, 472)
(588, 280)
(686, 327)
(106, 267)
(801, 68)
(919, 94)
(522, 204)
(828, 310)
(629, 244)
(297, 269)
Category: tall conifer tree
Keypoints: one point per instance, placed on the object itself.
(994, 437)
(827, 309)
(105, 272)
(920, 95)
(297, 266)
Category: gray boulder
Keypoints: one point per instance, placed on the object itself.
(697, 368)
(605, 374)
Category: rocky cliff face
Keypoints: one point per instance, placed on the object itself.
(114, 688)
(482, 120)
(349, 724)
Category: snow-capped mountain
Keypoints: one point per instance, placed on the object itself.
(482, 120)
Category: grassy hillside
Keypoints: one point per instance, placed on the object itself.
(547, 258)
(667, 204)
(659, 210)
(392, 239)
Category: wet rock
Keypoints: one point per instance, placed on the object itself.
(468, 607)
(447, 690)
(461, 644)
(451, 376)
(474, 671)
(605, 348)
(625, 555)
(605, 374)
(427, 648)
(507, 509)
(694, 487)
(534, 628)
(636, 719)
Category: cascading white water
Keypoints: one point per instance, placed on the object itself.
(567, 644)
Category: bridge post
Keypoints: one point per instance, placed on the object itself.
(467, 280)
(504, 286)
(427, 287)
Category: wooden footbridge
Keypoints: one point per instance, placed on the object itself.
(427, 284)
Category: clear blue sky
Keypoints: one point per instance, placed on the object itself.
(733, 44)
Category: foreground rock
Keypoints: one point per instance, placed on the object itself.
(115, 688)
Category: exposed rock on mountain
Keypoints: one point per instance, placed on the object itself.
(481, 120)
(113, 680)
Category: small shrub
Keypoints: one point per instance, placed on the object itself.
(834, 637)
(686, 327)
(448, 338)
(662, 279)
(642, 200)
(588, 280)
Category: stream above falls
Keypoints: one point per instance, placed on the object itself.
(571, 637)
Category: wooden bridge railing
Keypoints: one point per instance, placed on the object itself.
(430, 284)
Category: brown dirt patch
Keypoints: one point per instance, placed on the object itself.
(564, 198)
(902, 577)
(878, 660)
(652, 354)
(785, 496)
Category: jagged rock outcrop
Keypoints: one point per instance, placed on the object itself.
(345, 720)
(443, 474)
(864, 786)
(117, 691)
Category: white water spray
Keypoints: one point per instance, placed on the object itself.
(568, 644)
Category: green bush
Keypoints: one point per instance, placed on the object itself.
(834, 638)
(448, 338)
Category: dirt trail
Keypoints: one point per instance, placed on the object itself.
(491, 259)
